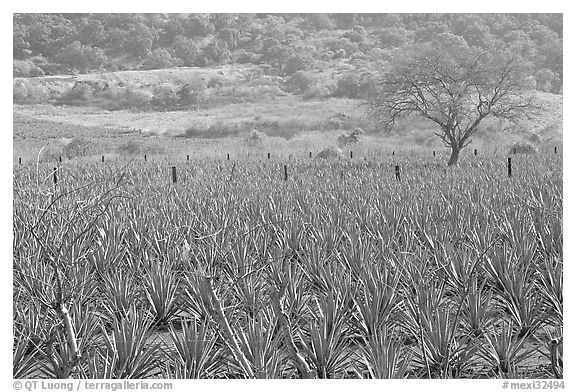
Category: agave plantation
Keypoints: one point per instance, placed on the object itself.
(341, 271)
(241, 242)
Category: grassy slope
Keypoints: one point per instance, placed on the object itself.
(105, 126)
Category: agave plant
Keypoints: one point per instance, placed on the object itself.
(196, 349)
(505, 349)
(161, 288)
(384, 356)
(261, 345)
(127, 348)
(325, 340)
(120, 293)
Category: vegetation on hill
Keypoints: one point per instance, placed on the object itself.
(282, 44)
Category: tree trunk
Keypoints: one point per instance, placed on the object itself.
(454, 157)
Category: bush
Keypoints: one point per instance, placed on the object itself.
(317, 22)
(352, 138)
(193, 93)
(159, 58)
(77, 147)
(185, 49)
(244, 57)
(165, 95)
(340, 45)
(137, 98)
(331, 152)
(299, 82)
(523, 147)
(128, 148)
(26, 69)
(25, 92)
(255, 138)
(298, 62)
(80, 92)
(82, 57)
(355, 86)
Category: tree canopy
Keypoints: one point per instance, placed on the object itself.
(456, 91)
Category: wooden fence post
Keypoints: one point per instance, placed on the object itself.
(310, 154)
(144, 157)
(397, 172)
(20, 160)
(174, 174)
(392, 152)
(55, 176)
(187, 157)
(433, 153)
(351, 156)
(285, 173)
(554, 149)
(227, 157)
(475, 152)
(268, 155)
(509, 167)
(102, 158)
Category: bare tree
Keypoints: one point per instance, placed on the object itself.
(454, 90)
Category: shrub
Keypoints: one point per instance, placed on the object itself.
(80, 92)
(165, 95)
(77, 147)
(352, 138)
(317, 22)
(331, 152)
(159, 58)
(193, 93)
(254, 138)
(298, 62)
(26, 69)
(523, 147)
(137, 98)
(244, 57)
(315, 92)
(340, 44)
(128, 148)
(534, 138)
(25, 92)
(82, 57)
(299, 82)
(355, 86)
(185, 49)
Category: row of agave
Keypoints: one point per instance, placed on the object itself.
(341, 272)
